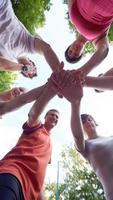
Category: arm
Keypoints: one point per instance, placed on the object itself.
(105, 82)
(11, 94)
(40, 104)
(7, 65)
(99, 55)
(76, 127)
(49, 92)
(6, 107)
(45, 49)
(108, 73)
(73, 92)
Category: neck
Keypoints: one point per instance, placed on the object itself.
(48, 128)
(93, 136)
(82, 39)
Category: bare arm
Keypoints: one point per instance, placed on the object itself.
(105, 82)
(108, 73)
(99, 55)
(39, 105)
(73, 92)
(6, 107)
(8, 65)
(45, 49)
(11, 94)
(76, 127)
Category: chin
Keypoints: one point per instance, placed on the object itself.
(52, 125)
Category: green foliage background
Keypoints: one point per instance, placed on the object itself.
(79, 182)
(31, 12)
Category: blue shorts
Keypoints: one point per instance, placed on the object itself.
(10, 187)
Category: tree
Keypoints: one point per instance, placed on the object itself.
(89, 48)
(7, 79)
(31, 12)
(79, 183)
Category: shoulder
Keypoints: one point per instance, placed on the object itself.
(27, 129)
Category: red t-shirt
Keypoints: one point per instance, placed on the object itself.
(28, 160)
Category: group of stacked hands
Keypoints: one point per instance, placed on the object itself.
(22, 170)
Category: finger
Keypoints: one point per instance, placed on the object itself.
(56, 88)
(15, 92)
(23, 90)
(60, 67)
(57, 76)
(60, 95)
(66, 79)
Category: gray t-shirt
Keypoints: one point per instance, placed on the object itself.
(99, 153)
(15, 40)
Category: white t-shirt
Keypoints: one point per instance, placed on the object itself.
(15, 40)
(99, 153)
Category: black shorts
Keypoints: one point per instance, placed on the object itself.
(10, 187)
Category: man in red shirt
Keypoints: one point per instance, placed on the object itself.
(22, 170)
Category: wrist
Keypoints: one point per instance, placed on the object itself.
(50, 93)
(76, 102)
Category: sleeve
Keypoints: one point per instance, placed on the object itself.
(28, 130)
(2, 3)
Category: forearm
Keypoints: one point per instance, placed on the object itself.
(76, 127)
(105, 82)
(7, 65)
(51, 58)
(21, 100)
(45, 49)
(5, 96)
(94, 61)
(38, 106)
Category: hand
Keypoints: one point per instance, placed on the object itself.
(61, 66)
(73, 92)
(62, 78)
(78, 73)
(68, 85)
(59, 79)
(17, 91)
(29, 71)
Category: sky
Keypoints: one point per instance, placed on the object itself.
(56, 32)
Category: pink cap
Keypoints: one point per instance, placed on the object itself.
(88, 29)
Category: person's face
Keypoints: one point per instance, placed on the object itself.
(51, 119)
(76, 49)
(89, 126)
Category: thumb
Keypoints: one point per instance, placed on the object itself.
(61, 66)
